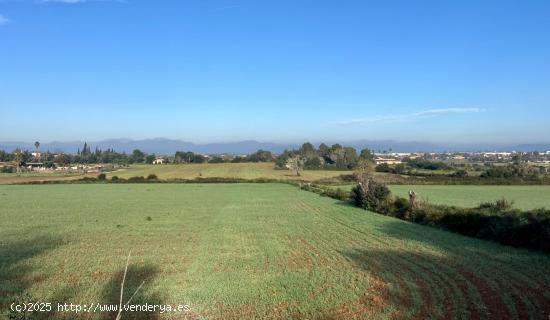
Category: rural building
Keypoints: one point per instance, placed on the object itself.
(35, 166)
(159, 161)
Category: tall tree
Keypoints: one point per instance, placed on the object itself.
(62, 160)
(137, 156)
(295, 164)
(36, 146)
(367, 155)
(307, 150)
(324, 150)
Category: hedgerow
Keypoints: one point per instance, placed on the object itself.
(496, 221)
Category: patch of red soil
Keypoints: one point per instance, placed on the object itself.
(492, 301)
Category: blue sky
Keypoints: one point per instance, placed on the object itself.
(282, 71)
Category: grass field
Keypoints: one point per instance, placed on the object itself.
(524, 197)
(264, 251)
(223, 170)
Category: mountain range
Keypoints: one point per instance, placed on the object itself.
(163, 146)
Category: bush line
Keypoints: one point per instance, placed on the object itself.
(495, 221)
(102, 179)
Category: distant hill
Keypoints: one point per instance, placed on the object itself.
(162, 146)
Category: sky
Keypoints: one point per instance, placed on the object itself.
(279, 71)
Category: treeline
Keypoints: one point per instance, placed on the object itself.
(191, 157)
(335, 157)
(516, 172)
(110, 156)
(512, 171)
(49, 159)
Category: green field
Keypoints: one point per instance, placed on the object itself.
(524, 197)
(264, 251)
(223, 170)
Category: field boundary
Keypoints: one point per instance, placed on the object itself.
(495, 221)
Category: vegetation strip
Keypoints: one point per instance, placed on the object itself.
(496, 221)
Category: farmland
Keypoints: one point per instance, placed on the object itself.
(254, 251)
(223, 170)
(524, 197)
(184, 171)
(10, 178)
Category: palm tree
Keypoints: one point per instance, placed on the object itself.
(36, 145)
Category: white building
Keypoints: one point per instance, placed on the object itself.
(386, 161)
(159, 161)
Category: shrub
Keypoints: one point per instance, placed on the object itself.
(152, 177)
(115, 178)
(313, 163)
(374, 198)
(497, 206)
(359, 197)
(7, 169)
(383, 167)
(420, 211)
(347, 177)
(377, 194)
(136, 179)
(337, 194)
(101, 177)
(428, 165)
(459, 174)
(401, 208)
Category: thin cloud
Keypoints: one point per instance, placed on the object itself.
(3, 20)
(408, 116)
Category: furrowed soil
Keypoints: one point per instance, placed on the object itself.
(243, 251)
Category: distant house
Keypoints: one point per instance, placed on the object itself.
(386, 161)
(159, 161)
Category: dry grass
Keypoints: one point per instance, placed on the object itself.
(223, 170)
